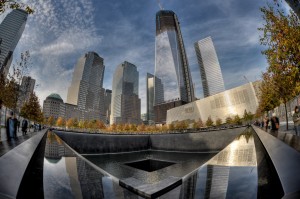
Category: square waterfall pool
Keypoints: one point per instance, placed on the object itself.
(150, 166)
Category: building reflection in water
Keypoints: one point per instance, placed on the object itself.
(232, 173)
(69, 176)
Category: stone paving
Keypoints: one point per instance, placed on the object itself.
(6, 146)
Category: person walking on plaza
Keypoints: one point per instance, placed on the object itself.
(24, 126)
(296, 120)
(18, 125)
(274, 123)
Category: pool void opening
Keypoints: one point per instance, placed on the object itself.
(149, 165)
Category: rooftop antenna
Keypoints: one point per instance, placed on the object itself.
(159, 4)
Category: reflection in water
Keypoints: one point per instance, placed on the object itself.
(236, 172)
(68, 176)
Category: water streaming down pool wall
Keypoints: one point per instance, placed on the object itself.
(86, 143)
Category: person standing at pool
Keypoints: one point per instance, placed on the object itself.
(11, 126)
(296, 120)
(266, 123)
(274, 123)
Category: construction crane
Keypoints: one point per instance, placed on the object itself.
(159, 4)
(246, 79)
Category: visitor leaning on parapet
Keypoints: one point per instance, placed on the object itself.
(296, 119)
(274, 123)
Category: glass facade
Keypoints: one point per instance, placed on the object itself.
(87, 82)
(86, 89)
(150, 82)
(11, 30)
(171, 65)
(126, 105)
(211, 75)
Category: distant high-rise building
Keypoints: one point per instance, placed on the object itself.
(211, 74)
(26, 88)
(171, 66)
(86, 89)
(11, 30)
(295, 5)
(125, 102)
(107, 104)
(150, 81)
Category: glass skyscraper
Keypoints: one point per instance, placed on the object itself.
(126, 105)
(11, 30)
(211, 74)
(171, 64)
(151, 80)
(86, 90)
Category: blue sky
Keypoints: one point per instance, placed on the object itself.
(61, 31)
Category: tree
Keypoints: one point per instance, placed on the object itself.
(113, 127)
(51, 121)
(281, 37)
(141, 127)
(209, 122)
(92, 124)
(237, 120)
(181, 125)
(171, 127)
(198, 124)
(12, 92)
(100, 124)
(126, 127)
(60, 122)
(32, 109)
(81, 124)
(120, 127)
(76, 123)
(10, 4)
(70, 123)
(219, 122)
(229, 120)
(133, 127)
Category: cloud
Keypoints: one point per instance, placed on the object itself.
(57, 34)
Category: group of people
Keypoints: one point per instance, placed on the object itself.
(271, 123)
(13, 125)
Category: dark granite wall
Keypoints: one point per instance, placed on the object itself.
(101, 143)
(202, 141)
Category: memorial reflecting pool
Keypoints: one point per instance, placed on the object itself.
(241, 170)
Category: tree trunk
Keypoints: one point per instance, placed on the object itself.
(286, 117)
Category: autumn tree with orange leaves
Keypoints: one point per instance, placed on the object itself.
(281, 36)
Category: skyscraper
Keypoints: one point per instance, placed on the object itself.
(11, 30)
(211, 74)
(26, 88)
(86, 89)
(107, 102)
(171, 65)
(126, 105)
(151, 80)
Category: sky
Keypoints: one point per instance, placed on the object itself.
(60, 31)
